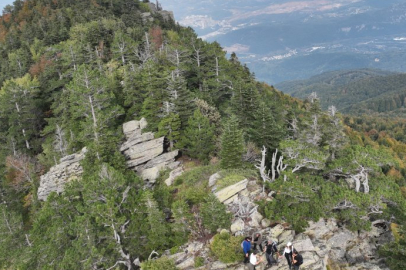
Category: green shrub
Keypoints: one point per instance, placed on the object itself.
(162, 263)
(214, 214)
(144, 7)
(196, 175)
(192, 195)
(174, 250)
(199, 261)
(227, 248)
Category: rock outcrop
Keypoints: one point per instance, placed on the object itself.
(145, 153)
(68, 169)
(154, 9)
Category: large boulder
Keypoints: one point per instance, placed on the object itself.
(256, 219)
(304, 245)
(194, 247)
(276, 231)
(144, 152)
(213, 179)
(230, 191)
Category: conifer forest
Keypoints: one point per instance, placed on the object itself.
(73, 72)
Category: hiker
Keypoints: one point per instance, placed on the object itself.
(270, 249)
(246, 248)
(287, 252)
(297, 260)
(255, 259)
(257, 240)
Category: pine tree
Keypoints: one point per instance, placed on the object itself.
(183, 219)
(158, 230)
(92, 108)
(245, 103)
(232, 145)
(214, 214)
(181, 98)
(198, 139)
(170, 128)
(20, 113)
(264, 130)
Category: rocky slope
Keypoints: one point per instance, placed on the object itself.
(323, 245)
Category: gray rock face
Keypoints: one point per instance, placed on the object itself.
(166, 15)
(67, 170)
(144, 153)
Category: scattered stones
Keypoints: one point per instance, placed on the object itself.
(194, 247)
(237, 225)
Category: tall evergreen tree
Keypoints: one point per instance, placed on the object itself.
(245, 103)
(198, 139)
(92, 107)
(170, 128)
(264, 130)
(20, 113)
(181, 98)
(232, 145)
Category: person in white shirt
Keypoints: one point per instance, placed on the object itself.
(254, 260)
(287, 252)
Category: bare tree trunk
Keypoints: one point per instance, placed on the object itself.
(262, 169)
(96, 135)
(27, 144)
(73, 57)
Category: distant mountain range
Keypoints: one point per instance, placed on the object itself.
(287, 40)
(356, 92)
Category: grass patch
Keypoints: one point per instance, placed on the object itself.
(229, 180)
(196, 175)
(231, 177)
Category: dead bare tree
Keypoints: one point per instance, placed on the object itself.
(262, 169)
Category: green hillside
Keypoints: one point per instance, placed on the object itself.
(74, 71)
(355, 92)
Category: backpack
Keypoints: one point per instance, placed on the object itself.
(299, 259)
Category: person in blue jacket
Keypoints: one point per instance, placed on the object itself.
(246, 248)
